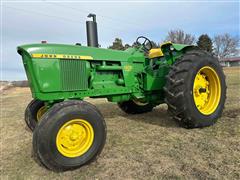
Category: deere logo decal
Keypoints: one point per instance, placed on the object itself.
(61, 56)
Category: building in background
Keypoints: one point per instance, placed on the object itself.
(230, 62)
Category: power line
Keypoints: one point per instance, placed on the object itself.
(43, 14)
(116, 20)
(80, 11)
(56, 17)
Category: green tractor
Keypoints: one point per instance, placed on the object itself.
(69, 132)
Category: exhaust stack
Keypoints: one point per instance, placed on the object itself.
(92, 35)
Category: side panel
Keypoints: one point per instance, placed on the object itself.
(155, 80)
(54, 75)
(47, 74)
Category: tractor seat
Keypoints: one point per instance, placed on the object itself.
(156, 52)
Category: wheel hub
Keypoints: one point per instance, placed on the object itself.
(201, 90)
(206, 90)
(74, 138)
(40, 112)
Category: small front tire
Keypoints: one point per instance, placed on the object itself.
(34, 112)
(71, 134)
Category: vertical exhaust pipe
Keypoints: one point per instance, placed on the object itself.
(92, 35)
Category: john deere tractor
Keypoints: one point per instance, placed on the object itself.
(69, 132)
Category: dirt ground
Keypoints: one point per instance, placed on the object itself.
(148, 146)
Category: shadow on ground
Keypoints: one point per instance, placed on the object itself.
(159, 115)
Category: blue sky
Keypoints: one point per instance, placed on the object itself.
(64, 22)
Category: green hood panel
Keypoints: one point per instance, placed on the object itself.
(95, 53)
(53, 68)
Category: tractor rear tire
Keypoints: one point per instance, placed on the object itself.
(195, 90)
(72, 133)
(134, 107)
(33, 113)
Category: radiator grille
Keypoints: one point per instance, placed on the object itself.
(73, 75)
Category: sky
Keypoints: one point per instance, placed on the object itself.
(64, 23)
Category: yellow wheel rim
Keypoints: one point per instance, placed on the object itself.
(139, 103)
(75, 138)
(207, 90)
(40, 112)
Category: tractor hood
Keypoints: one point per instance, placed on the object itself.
(78, 52)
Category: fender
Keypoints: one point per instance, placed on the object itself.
(178, 47)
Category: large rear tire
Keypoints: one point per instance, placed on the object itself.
(195, 89)
(135, 107)
(34, 112)
(71, 134)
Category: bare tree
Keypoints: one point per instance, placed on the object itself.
(180, 37)
(225, 45)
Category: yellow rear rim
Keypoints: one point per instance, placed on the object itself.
(75, 138)
(139, 103)
(207, 90)
(40, 112)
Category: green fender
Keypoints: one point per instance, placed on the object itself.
(178, 47)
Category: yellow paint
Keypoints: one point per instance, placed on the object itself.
(155, 53)
(75, 138)
(207, 90)
(139, 103)
(166, 43)
(128, 68)
(61, 56)
(40, 112)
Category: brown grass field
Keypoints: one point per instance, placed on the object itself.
(146, 146)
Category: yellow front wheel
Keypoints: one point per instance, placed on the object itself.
(75, 138)
(71, 134)
(33, 113)
(40, 112)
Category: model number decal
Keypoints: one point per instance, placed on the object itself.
(128, 68)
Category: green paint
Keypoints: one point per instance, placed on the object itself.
(115, 75)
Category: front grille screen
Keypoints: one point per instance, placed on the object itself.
(73, 75)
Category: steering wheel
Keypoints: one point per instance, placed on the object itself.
(145, 43)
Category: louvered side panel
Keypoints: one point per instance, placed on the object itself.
(73, 75)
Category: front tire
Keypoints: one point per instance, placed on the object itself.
(71, 134)
(195, 89)
(33, 113)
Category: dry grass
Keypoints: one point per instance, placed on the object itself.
(149, 146)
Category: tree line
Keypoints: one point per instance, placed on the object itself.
(221, 46)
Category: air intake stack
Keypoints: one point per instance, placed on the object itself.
(92, 35)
